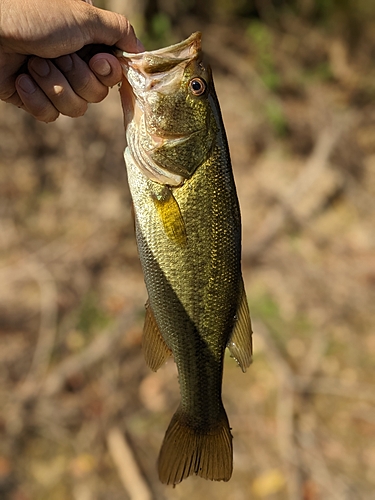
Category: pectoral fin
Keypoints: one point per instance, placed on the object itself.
(155, 349)
(170, 214)
(240, 342)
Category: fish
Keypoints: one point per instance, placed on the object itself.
(188, 232)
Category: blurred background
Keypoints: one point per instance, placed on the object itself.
(81, 415)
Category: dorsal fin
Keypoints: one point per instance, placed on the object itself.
(240, 342)
(155, 349)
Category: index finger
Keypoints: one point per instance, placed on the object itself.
(107, 69)
(9, 68)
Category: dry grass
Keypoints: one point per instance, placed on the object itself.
(71, 296)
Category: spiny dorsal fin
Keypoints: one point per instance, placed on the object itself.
(170, 214)
(240, 342)
(155, 349)
(186, 451)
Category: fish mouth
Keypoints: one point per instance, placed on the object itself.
(163, 59)
(159, 70)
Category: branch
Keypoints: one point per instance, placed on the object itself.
(292, 203)
(285, 412)
(126, 465)
(94, 352)
(48, 317)
(48, 320)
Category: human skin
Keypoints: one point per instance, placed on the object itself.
(41, 70)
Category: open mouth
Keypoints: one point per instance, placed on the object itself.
(180, 51)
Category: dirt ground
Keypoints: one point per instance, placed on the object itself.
(81, 415)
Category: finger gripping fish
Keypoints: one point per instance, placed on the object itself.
(188, 232)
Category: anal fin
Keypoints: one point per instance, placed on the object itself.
(240, 342)
(155, 349)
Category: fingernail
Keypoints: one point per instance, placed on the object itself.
(101, 67)
(40, 66)
(65, 63)
(26, 84)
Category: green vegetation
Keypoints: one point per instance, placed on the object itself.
(261, 43)
(91, 317)
(159, 32)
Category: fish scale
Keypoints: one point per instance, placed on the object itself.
(188, 232)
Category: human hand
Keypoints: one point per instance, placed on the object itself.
(41, 70)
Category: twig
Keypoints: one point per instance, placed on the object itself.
(286, 432)
(98, 349)
(278, 362)
(48, 316)
(334, 486)
(284, 413)
(297, 447)
(335, 386)
(48, 320)
(312, 362)
(310, 175)
(127, 466)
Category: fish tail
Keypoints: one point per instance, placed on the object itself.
(186, 451)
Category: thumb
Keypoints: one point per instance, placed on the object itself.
(110, 28)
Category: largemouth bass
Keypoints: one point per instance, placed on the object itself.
(188, 232)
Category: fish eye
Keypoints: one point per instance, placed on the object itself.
(197, 86)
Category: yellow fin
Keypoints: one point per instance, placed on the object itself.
(170, 214)
(155, 349)
(240, 342)
(186, 451)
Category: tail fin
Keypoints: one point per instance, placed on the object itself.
(186, 451)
